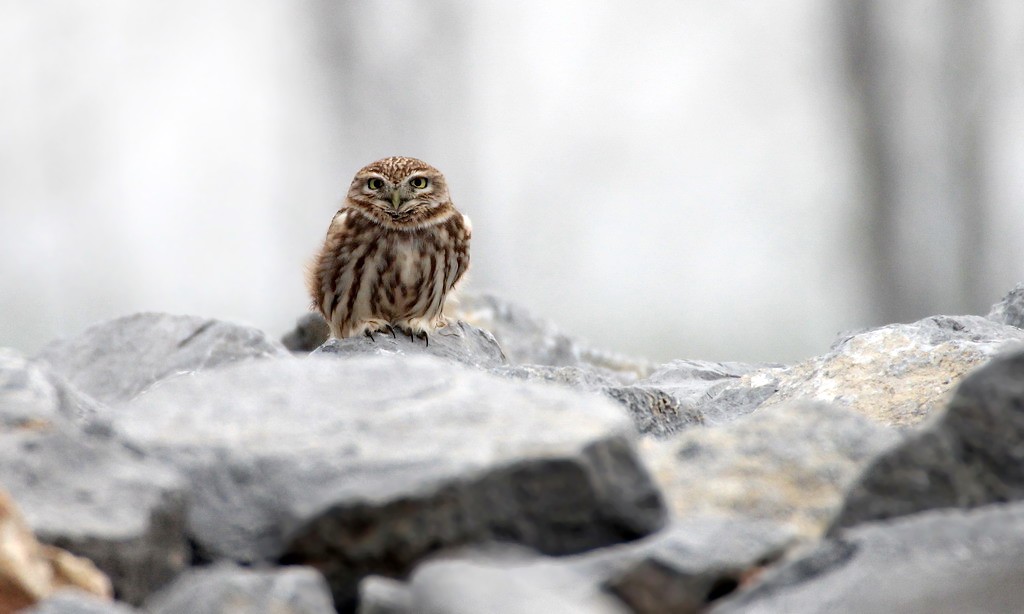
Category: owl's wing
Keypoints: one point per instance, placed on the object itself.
(462, 250)
(318, 273)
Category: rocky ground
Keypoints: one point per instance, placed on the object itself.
(169, 464)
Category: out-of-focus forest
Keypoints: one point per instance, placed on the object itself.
(716, 180)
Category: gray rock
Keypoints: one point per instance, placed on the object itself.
(696, 562)
(458, 341)
(581, 378)
(499, 587)
(970, 455)
(945, 562)
(310, 332)
(898, 374)
(69, 601)
(789, 463)
(116, 360)
(83, 491)
(225, 588)
(98, 499)
(33, 397)
(380, 595)
(1010, 310)
(654, 412)
(679, 569)
(527, 339)
(719, 392)
(367, 464)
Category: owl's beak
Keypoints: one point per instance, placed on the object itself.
(396, 199)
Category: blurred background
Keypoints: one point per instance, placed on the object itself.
(672, 179)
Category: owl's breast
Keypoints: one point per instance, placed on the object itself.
(408, 256)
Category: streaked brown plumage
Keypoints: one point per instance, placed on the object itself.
(393, 252)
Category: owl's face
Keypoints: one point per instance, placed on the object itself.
(400, 192)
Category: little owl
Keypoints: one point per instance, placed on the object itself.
(392, 253)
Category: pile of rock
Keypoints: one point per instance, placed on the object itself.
(195, 465)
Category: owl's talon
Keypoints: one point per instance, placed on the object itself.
(369, 334)
(406, 332)
(426, 339)
(390, 329)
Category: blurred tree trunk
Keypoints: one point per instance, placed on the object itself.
(916, 72)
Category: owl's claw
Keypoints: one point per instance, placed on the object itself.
(369, 334)
(415, 334)
(390, 329)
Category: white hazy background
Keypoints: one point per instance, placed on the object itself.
(720, 180)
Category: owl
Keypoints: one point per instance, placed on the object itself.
(393, 252)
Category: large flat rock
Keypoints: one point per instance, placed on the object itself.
(943, 562)
(367, 464)
(116, 360)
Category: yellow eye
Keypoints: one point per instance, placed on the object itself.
(374, 184)
(418, 182)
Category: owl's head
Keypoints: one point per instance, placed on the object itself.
(401, 192)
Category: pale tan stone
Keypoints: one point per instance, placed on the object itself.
(30, 571)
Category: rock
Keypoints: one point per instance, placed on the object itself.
(679, 569)
(654, 412)
(83, 491)
(579, 378)
(76, 602)
(789, 463)
(676, 396)
(523, 338)
(380, 595)
(932, 563)
(458, 341)
(116, 360)
(30, 571)
(898, 374)
(718, 392)
(33, 398)
(366, 465)
(97, 499)
(527, 339)
(971, 455)
(1010, 310)
(695, 563)
(310, 332)
(498, 587)
(226, 588)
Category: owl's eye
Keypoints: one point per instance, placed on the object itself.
(418, 182)
(374, 184)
